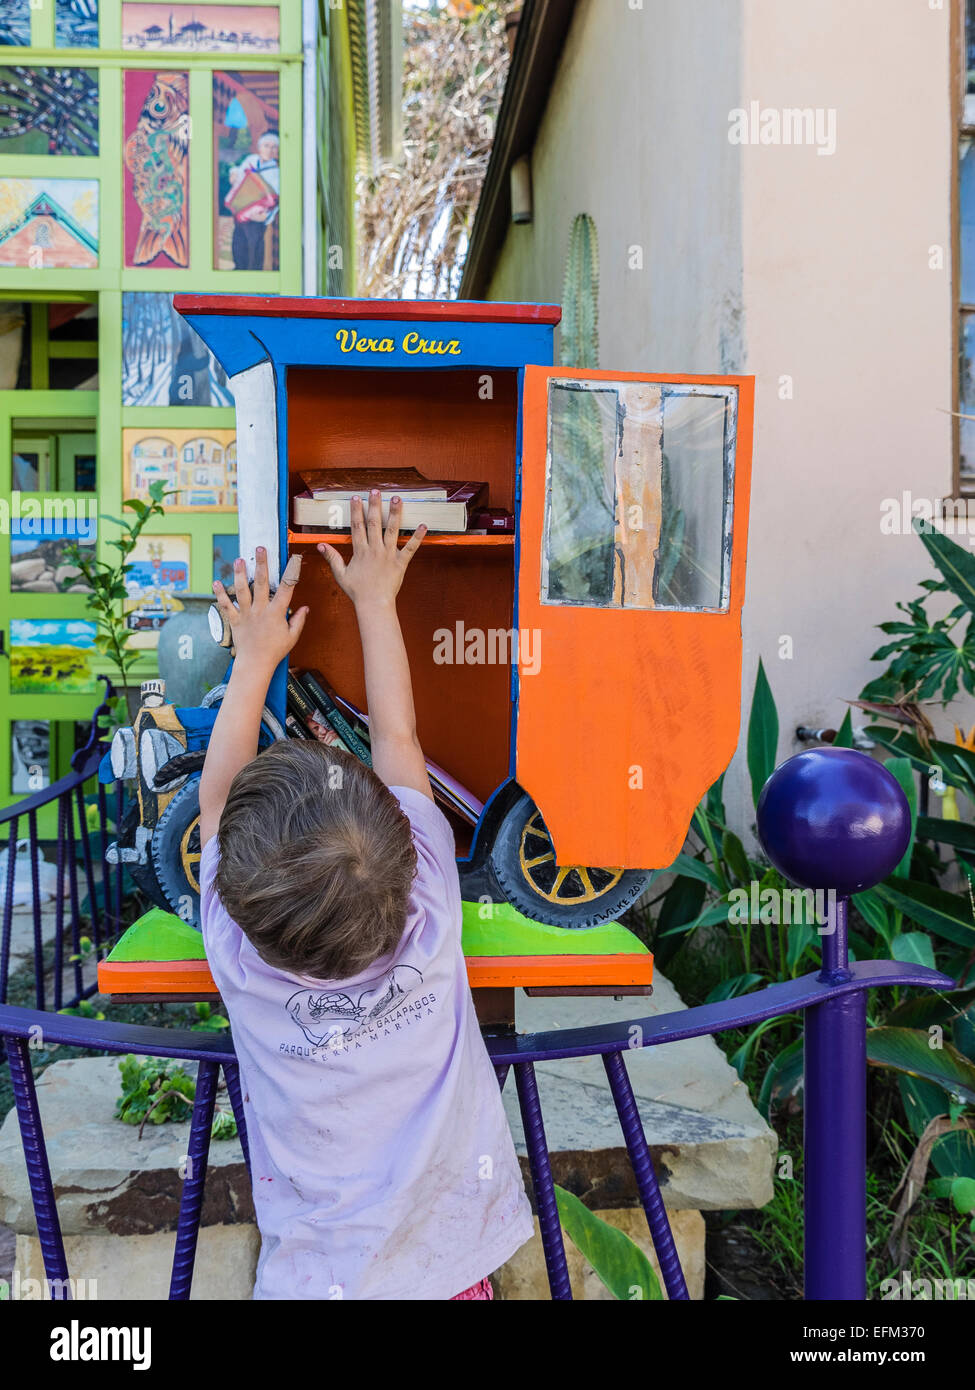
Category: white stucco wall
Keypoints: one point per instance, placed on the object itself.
(777, 261)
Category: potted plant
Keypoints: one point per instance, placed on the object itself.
(108, 592)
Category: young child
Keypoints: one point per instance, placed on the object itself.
(381, 1159)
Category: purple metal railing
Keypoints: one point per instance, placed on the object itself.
(832, 1002)
(87, 889)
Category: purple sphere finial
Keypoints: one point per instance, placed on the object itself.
(833, 818)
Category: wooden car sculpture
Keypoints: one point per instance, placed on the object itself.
(578, 673)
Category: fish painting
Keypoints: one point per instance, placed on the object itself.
(157, 156)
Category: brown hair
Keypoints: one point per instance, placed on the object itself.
(316, 860)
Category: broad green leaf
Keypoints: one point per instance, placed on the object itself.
(733, 853)
(844, 734)
(908, 1050)
(946, 914)
(955, 562)
(801, 937)
(763, 734)
(783, 1077)
(963, 1195)
(873, 911)
(732, 987)
(688, 867)
(953, 1155)
(902, 770)
(931, 1007)
(620, 1263)
(957, 833)
(914, 948)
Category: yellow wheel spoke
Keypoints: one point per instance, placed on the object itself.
(542, 859)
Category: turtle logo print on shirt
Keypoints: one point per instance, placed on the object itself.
(329, 1014)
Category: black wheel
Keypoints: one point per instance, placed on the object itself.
(176, 852)
(523, 860)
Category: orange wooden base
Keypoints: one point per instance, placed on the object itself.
(192, 977)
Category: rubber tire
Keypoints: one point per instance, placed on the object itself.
(165, 849)
(143, 875)
(506, 864)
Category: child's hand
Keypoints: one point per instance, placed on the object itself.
(375, 572)
(262, 632)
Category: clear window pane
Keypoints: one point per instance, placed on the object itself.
(639, 491)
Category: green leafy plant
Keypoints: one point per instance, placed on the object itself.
(619, 1262)
(155, 1090)
(208, 1021)
(106, 583)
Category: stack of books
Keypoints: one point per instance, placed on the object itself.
(325, 503)
(314, 710)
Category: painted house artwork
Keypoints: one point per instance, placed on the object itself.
(49, 224)
(201, 28)
(200, 468)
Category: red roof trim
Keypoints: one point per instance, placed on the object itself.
(424, 310)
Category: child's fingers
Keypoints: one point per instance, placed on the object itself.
(333, 559)
(227, 609)
(296, 622)
(286, 589)
(241, 589)
(374, 517)
(357, 522)
(261, 585)
(413, 544)
(392, 525)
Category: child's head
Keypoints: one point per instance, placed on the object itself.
(316, 860)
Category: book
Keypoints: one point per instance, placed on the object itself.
(446, 789)
(334, 716)
(451, 514)
(304, 712)
(342, 484)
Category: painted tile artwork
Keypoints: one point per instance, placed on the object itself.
(191, 28)
(160, 571)
(52, 657)
(30, 755)
(75, 23)
(15, 22)
(38, 563)
(247, 175)
(226, 548)
(199, 465)
(49, 224)
(157, 169)
(48, 111)
(163, 361)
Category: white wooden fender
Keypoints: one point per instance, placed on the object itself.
(257, 466)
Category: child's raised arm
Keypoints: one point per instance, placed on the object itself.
(263, 635)
(372, 579)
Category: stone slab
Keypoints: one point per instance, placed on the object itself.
(106, 1178)
(105, 1268)
(523, 1278)
(711, 1148)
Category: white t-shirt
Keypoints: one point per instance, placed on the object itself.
(381, 1159)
